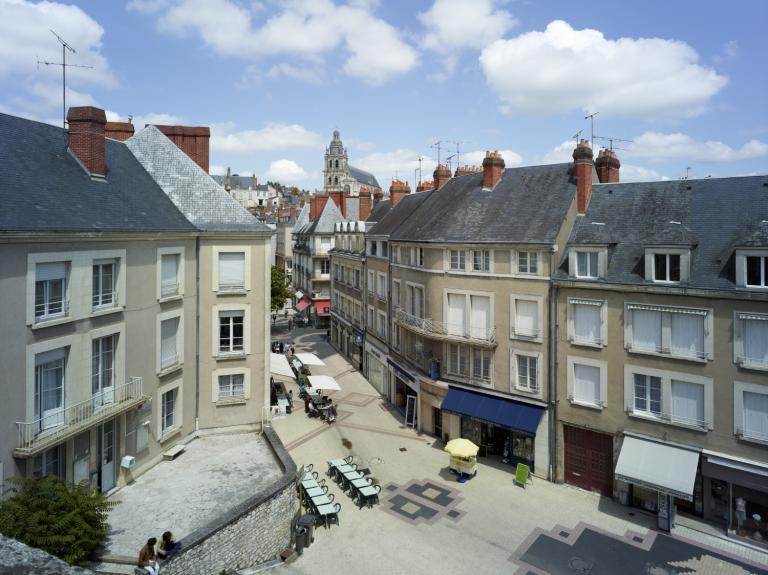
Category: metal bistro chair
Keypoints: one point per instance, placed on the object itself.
(329, 514)
(368, 495)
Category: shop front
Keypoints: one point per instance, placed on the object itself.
(321, 313)
(504, 429)
(655, 475)
(355, 347)
(736, 496)
(404, 393)
(377, 372)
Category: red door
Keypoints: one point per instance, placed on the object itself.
(588, 459)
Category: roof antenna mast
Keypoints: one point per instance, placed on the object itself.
(437, 145)
(64, 47)
(591, 118)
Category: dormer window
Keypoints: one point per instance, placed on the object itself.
(587, 262)
(667, 265)
(757, 271)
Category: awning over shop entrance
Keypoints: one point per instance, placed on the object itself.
(658, 466)
(278, 365)
(505, 412)
(302, 304)
(322, 306)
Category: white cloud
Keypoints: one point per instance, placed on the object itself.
(455, 24)
(562, 69)
(631, 173)
(313, 73)
(286, 172)
(658, 146)
(563, 152)
(511, 159)
(216, 170)
(399, 163)
(374, 50)
(729, 51)
(274, 136)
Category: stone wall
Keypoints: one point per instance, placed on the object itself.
(253, 533)
(16, 558)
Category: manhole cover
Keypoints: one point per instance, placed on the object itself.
(581, 566)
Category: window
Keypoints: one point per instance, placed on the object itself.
(417, 257)
(481, 260)
(104, 272)
(481, 364)
(666, 267)
(586, 264)
(587, 382)
(382, 325)
(371, 322)
(103, 370)
(586, 322)
(371, 282)
(231, 332)
(372, 248)
(396, 255)
(757, 271)
(325, 244)
(679, 332)
(751, 411)
(169, 275)
(395, 336)
(50, 462)
(647, 395)
(169, 353)
(382, 286)
(231, 271)
(395, 294)
(751, 340)
(526, 319)
(49, 389)
(469, 316)
(458, 260)
(687, 403)
(325, 267)
(527, 368)
(231, 386)
(457, 360)
(527, 263)
(414, 300)
(168, 414)
(50, 291)
(384, 249)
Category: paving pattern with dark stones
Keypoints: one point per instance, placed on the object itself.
(587, 550)
(421, 502)
(357, 399)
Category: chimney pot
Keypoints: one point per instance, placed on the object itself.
(607, 166)
(398, 190)
(365, 203)
(86, 137)
(582, 169)
(192, 140)
(493, 169)
(118, 130)
(441, 175)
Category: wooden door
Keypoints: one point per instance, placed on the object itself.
(588, 459)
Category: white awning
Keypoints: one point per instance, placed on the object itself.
(278, 365)
(658, 466)
(324, 382)
(310, 359)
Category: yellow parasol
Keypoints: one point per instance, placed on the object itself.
(461, 447)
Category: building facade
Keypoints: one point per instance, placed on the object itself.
(339, 176)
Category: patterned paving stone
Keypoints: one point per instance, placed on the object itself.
(421, 502)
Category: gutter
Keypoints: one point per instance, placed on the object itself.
(197, 333)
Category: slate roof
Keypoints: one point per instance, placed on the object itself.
(393, 218)
(528, 206)
(202, 201)
(716, 216)
(44, 188)
(325, 222)
(240, 183)
(380, 209)
(365, 178)
(353, 208)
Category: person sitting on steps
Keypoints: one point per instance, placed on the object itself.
(148, 557)
(168, 546)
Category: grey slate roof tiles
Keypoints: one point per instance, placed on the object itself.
(365, 178)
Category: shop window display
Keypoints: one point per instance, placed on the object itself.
(749, 514)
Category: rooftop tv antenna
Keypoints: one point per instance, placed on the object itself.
(611, 140)
(64, 47)
(576, 136)
(437, 145)
(448, 161)
(415, 171)
(458, 152)
(591, 118)
(687, 172)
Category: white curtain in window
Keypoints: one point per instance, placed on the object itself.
(456, 305)
(232, 269)
(756, 341)
(527, 317)
(586, 323)
(480, 316)
(688, 334)
(687, 402)
(418, 302)
(756, 415)
(646, 330)
(169, 273)
(168, 353)
(51, 271)
(586, 380)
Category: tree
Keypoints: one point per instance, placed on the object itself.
(65, 520)
(279, 289)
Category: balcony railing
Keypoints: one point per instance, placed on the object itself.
(42, 433)
(446, 331)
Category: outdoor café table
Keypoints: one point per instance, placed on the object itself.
(360, 483)
(329, 513)
(350, 476)
(338, 462)
(322, 500)
(307, 483)
(314, 491)
(341, 469)
(368, 495)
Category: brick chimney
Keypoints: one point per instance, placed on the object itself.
(607, 166)
(464, 170)
(424, 186)
(119, 130)
(365, 203)
(378, 195)
(338, 198)
(582, 170)
(316, 205)
(493, 169)
(192, 140)
(86, 137)
(441, 175)
(397, 191)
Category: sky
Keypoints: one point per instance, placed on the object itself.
(679, 87)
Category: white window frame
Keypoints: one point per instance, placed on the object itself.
(396, 293)
(516, 262)
(409, 307)
(487, 260)
(98, 295)
(739, 344)
(666, 330)
(461, 256)
(381, 287)
(650, 264)
(216, 310)
(65, 312)
(602, 260)
(217, 250)
(416, 257)
(371, 325)
(179, 341)
(603, 304)
(170, 251)
(481, 381)
(467, 360)
(371, 282)
(514, 379)
(164, 433)
(381, 325)
(666, 377)
(739, 387)
(572, 361)
(468, 306)
(513, 334)
(741, 268)
(228, 371)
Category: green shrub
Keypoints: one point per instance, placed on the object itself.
(68, 521)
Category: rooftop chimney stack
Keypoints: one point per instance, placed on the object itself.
(464, 170)
(607, 166)
(365, 204)
(378, 195)
(441, 175)
(493, 168)
(582, 169)
(338, 198)
(86, 137)
(397, 191)
(425, 186)
(118, 130)
(192, 140)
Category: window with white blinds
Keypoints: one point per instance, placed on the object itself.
(456, 324)
(231, 386)
(688, 403)
(169, 354)
(480, 316)
(231, 271)
(586, 384)
(169, 275)
(687, 334)
(526, 318)
(755, 343)
(646, 330)
(676, 331)
(587, 323)
(50, 290)
(755, 415)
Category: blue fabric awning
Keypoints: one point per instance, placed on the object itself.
(505, 412)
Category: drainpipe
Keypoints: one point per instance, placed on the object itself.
(197, 333)
(552, 324)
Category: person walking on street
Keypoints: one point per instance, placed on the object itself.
(285, 314)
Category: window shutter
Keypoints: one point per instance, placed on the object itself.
(587, 323)
(687, 402)
(481, 316)
(513, 371)
(169, 265)
(527, 317)
(629, 392)
(51, 271)
(741, 270)
(756, 415)
(756, 342)
(232, 269)
(456, 305)
(168, 352)
(688, 334)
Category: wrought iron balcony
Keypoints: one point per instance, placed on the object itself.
(445, 331)
(42, 433)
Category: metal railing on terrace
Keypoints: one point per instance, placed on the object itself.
(41, 433)
(446, 331)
